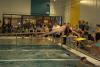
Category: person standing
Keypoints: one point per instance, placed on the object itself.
(79, 24)
(86, 26)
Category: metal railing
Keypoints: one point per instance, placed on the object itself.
(17, 38)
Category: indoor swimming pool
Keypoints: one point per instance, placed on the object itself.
(33, 55)
(36, 56)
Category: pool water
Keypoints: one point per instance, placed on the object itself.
(36, 56)
(37, 64)
(34, 52)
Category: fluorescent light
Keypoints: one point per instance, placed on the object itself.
(54, 0)
(83, 1)
(86, 2)
(19, 23)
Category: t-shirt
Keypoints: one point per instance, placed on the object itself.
(97, 36)
(67, 31)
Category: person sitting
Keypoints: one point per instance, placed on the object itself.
(96, 46)
(50, 26)
(39, 25)
(97, 34)
(45, 28)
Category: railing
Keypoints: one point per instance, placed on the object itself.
(29, 38)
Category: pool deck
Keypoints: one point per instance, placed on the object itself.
(90, 59)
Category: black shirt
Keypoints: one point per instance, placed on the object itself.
(97, 36)
(67, 31)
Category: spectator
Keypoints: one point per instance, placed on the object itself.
(83, 25)
(86, 26)
(50, 26)
(79, 24)
(39, 25)
(97, 34)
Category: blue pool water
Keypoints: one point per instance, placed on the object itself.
(36, 56)
(98, 44)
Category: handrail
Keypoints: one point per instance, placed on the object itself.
(33, 36)
(21, 33)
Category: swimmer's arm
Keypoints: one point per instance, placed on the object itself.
(58, 30)
(74, 32)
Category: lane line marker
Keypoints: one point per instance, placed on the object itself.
(22, 60)
(30, 50)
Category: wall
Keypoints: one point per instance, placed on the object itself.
(57, 7)
(15, 7)
(40, 7)
(67, 11)
(74, 12)
(90, 11)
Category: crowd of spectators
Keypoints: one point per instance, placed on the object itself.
(82, 29)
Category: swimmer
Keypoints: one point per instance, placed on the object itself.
(60, 30)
